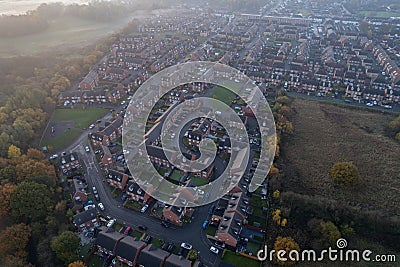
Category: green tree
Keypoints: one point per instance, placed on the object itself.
(345, 173)
(192, 255)
(65, 246)
(31, 201)
(329, 232)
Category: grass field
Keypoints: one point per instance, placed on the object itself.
(81, 117)
(68, 125)
(223, 95)
(325, 134)
(239, 261)
(61, 141)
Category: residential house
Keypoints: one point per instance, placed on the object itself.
(117, 179)
(152, 256)
(69, 162)
(86, 220)
(90, 81)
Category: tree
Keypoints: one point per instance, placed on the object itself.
(192, 255)
(329, 232)
(287, 244)
(35, 154)
(13, 241)
(346, 230)
(276, 216)
(14, 152)
(345, 173)
(276, 194)
(398, 136)
(65, 246)
(30, 201)
(77, 264)
(284, 100)
(29, 168)
(6, 191)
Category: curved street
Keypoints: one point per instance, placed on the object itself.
(191, 232)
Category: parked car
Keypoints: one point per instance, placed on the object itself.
(186, 246)
(144, 208)
(205, 223)
(148, 239)
(96, 196)
(87, 149)
(142, 228)
(94, 190)
(111, 223)
(101, 206)
(127, 230)
(214, 250)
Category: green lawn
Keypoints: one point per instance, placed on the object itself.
(136, 233)
(223, 94)
(63, 140)
(132, 204)
(176, 176)
(157, 242)
(238, 260)
(251, 219)
(81, 117)
(199, 181)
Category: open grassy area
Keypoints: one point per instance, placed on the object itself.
(325, 134)
(239, 260)
(61, 141)
(81, 117)
(211, 230)
(223, 94)
(68, 125)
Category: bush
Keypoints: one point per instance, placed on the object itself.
(345, 173)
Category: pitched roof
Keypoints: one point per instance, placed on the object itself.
(85, 216)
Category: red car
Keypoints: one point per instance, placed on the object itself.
(127, 230)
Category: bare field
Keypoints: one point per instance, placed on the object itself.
(325, 134)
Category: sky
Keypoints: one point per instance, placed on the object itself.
(15, 7)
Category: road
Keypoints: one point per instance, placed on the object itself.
(191, 232)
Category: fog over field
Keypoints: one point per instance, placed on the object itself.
(15, 7)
